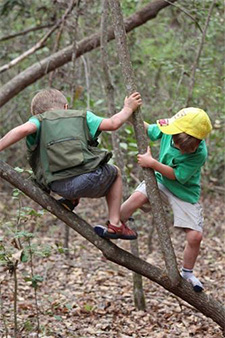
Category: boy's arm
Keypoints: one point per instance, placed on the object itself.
(16, 134)
(147, 161)
(131, 103)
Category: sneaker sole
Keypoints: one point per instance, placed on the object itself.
(103, 232)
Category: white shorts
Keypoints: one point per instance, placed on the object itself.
(186, 215)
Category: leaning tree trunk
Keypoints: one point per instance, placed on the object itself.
(139, 298)
(152, 189)
(201, 301)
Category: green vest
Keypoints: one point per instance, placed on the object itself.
(65, 147)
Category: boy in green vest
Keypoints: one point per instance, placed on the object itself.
(182, 154)
(63, 153)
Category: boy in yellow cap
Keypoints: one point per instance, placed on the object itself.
(178, 171)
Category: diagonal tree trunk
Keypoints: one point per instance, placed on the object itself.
(152, 189)
(43, 67)
(201, 301)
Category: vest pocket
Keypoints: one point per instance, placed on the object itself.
(64, 154)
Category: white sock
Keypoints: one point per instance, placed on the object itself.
(189, 276)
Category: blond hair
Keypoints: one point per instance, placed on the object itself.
(48, 99)
(187, 143)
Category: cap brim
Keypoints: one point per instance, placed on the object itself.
(169, 129)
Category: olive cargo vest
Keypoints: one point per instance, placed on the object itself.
(65, 148)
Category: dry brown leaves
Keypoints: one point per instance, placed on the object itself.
(87, 296)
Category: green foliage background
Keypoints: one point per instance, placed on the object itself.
(162, 52)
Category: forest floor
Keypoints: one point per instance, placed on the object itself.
(84, 295)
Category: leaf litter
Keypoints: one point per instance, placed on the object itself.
(85, 295)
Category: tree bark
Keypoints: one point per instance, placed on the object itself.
(201, 301)
(149, 176)
(40, 69)
(139, 298)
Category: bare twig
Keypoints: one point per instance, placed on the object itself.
(2, 314)
(26, 31)
(86, 72)
(186, 12)
(60, 58)
(35, 288)
(74, 54)
(196, 61)
(40, 44)
(177, 89)
(14, 271)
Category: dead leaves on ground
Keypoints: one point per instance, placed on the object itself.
(88, 296)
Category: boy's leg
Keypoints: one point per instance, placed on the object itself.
(192, 248)
(191, 252)
(189, 217)
(113, 198)
(134, 202)
(115, 228)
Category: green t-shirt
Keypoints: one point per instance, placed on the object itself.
(187, 167)
(93, 122)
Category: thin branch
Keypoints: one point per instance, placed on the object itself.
(186, 12)
(60, 58)
(26, 31)
(38, 45)
(149, 176)
(195, 64)
(55, 49)
(74, 55)
(177, 89)
(139, 298)
(86, 72)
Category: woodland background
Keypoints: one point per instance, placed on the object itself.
(80, 294)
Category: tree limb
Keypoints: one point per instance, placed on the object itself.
(58, 59)
(139, 298)
(32, 29)
(201, 301)
(40, 44)
(149, 176)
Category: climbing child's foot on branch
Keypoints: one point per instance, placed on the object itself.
(115, 232)
(189, 276)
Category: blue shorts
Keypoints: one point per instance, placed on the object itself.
(93, 185)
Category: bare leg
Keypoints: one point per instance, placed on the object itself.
(113, 199)
(192, 247)
(190, 255)
(135, 201)
(117, 227)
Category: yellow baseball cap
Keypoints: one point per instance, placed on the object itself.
(192, 121)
